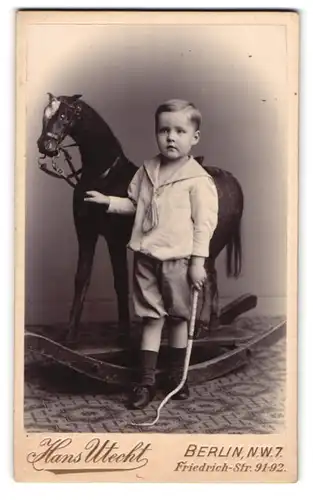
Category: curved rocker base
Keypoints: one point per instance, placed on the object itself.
(213, 356)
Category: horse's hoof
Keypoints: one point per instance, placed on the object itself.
(60, 336)
(71, 343)
(214, 322)
(124, 341)
(70, 338)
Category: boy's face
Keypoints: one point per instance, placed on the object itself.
(176, 134)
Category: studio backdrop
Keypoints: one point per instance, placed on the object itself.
(124, 73)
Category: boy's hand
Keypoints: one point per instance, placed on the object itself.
(96, 197)
(197, 273)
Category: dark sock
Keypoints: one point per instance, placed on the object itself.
(148, 362)
(176, 362)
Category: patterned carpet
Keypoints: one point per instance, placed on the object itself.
(250, 400)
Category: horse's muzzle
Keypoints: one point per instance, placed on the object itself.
(47, 146)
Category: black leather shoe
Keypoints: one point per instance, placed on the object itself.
(141, 396)
(182, 394)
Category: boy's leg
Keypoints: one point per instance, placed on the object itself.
(144, 392)
(148, 305)
(177, 353)
(178, 333)
(177, 298)
(149, 349)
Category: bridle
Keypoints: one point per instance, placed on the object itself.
(57, 171)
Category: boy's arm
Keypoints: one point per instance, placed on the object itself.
(123, 206)
(117, 204)
(127, 205)
(204, 212)
(112, 204)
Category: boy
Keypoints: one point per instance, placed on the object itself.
(175, 205)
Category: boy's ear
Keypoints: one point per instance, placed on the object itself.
(196, 137)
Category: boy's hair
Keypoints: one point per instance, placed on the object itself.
(180, 105)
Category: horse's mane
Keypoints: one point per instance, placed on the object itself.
(93, 121)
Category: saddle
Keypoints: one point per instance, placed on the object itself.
(213, 171)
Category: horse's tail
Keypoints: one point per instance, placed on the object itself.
(234, 252)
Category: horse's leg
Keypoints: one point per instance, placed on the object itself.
(118, 256)
(82, 280)
(213, 293)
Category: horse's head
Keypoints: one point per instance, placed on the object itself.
(59, 118)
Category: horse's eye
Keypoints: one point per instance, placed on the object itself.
(62, 116)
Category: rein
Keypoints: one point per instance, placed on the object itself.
(58, 172)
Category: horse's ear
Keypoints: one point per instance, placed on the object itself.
(78, 105)
(51, 97)
(74, 98)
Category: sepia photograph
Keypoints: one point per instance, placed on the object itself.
(156, 245)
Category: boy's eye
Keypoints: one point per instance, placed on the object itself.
(166, 130)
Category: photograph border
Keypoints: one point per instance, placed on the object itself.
(26, 444)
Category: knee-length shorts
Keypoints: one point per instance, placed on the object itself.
(161, 288)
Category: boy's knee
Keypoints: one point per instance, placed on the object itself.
(152, 321)
(176, 320)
